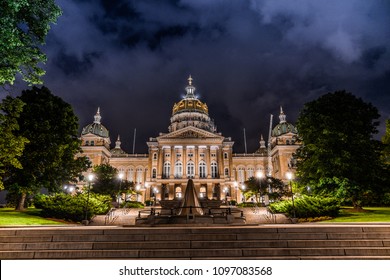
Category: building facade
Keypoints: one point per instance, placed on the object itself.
(192, 148)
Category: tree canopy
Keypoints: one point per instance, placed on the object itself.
(270, 186)
(339, 155)
(24, 25)
(11, 145)
(49, 159)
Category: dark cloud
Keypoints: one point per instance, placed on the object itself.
(132, 58)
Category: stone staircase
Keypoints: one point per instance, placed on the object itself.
(309, 241)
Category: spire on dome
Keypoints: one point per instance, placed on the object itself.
(282, 116)
(118, 143)
(190, 89)
(97, 116)
(262, 142)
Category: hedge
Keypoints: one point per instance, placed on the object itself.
(72, 207)
(308, 207)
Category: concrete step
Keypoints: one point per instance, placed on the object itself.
(245, 242)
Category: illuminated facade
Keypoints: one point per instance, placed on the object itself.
(192, 148)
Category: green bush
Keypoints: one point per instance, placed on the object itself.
(248, 204)
(308, 207)
(72, 207)
(132, 204)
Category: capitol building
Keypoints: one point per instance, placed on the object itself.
(193, 148)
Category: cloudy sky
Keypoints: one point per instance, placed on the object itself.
(247, 57)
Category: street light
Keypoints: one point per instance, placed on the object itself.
(289, 176)
(120, 176)
(90, 178)
(259, 176)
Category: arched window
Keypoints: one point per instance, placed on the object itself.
(202, 169)
(139, 175)
(226, 172)
(178, 169)
(214, 170)
(225, 155)
(241, 175)
(155, 156)
(250, 172)
(167, 169)
(130, 175)
(154, 173)
(190, 169)
(92, 143)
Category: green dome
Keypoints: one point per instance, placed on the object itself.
(283, 128)
(96, 127)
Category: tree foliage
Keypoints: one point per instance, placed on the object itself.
(106, 180)
(11, 145)
(386, 143)
(24, 25)
(339, 155)
(48, 160)
(270, 186)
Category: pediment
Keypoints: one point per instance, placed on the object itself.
(190, 132)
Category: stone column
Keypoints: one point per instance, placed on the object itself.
(160, 161)
(171, 176)
(196, 155)
(208, 162)
(184, 156)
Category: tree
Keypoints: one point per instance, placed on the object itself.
(339, 155)
(11, 145)
(49, 159)
(259, 187)
(24, 25)
(386, 143)
(106, 180)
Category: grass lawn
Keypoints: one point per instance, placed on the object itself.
(370, 214)
(29, 217)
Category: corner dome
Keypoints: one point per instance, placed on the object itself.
(96, 127)
(117, 151)
(283, 127)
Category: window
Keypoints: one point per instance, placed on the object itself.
(154, 173)
(203, 192)
(86, 143)
(167, 169)
(178, 169)
(202, 169)
(241, 175)
(178, 192)
(251, 172)
(213, 155)
(178, 155)
(167, 155)
(226, 171)
(214, 170)
(92, 143)
(190, 169)
(190, 155)
(225, 155)
(201, 154)
(139, 175)
(130, 175)
(155, 156)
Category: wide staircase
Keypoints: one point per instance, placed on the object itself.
(235, 242)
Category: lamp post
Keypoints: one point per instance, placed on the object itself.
(260, 176)
(289, 176)
(120, 176)
(90, 178)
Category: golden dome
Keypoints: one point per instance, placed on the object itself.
(190, 105)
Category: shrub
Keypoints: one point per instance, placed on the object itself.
(132, 204)
(248, 204)
(72, 207)
(308, 207)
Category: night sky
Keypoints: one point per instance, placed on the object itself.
(133, 58)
